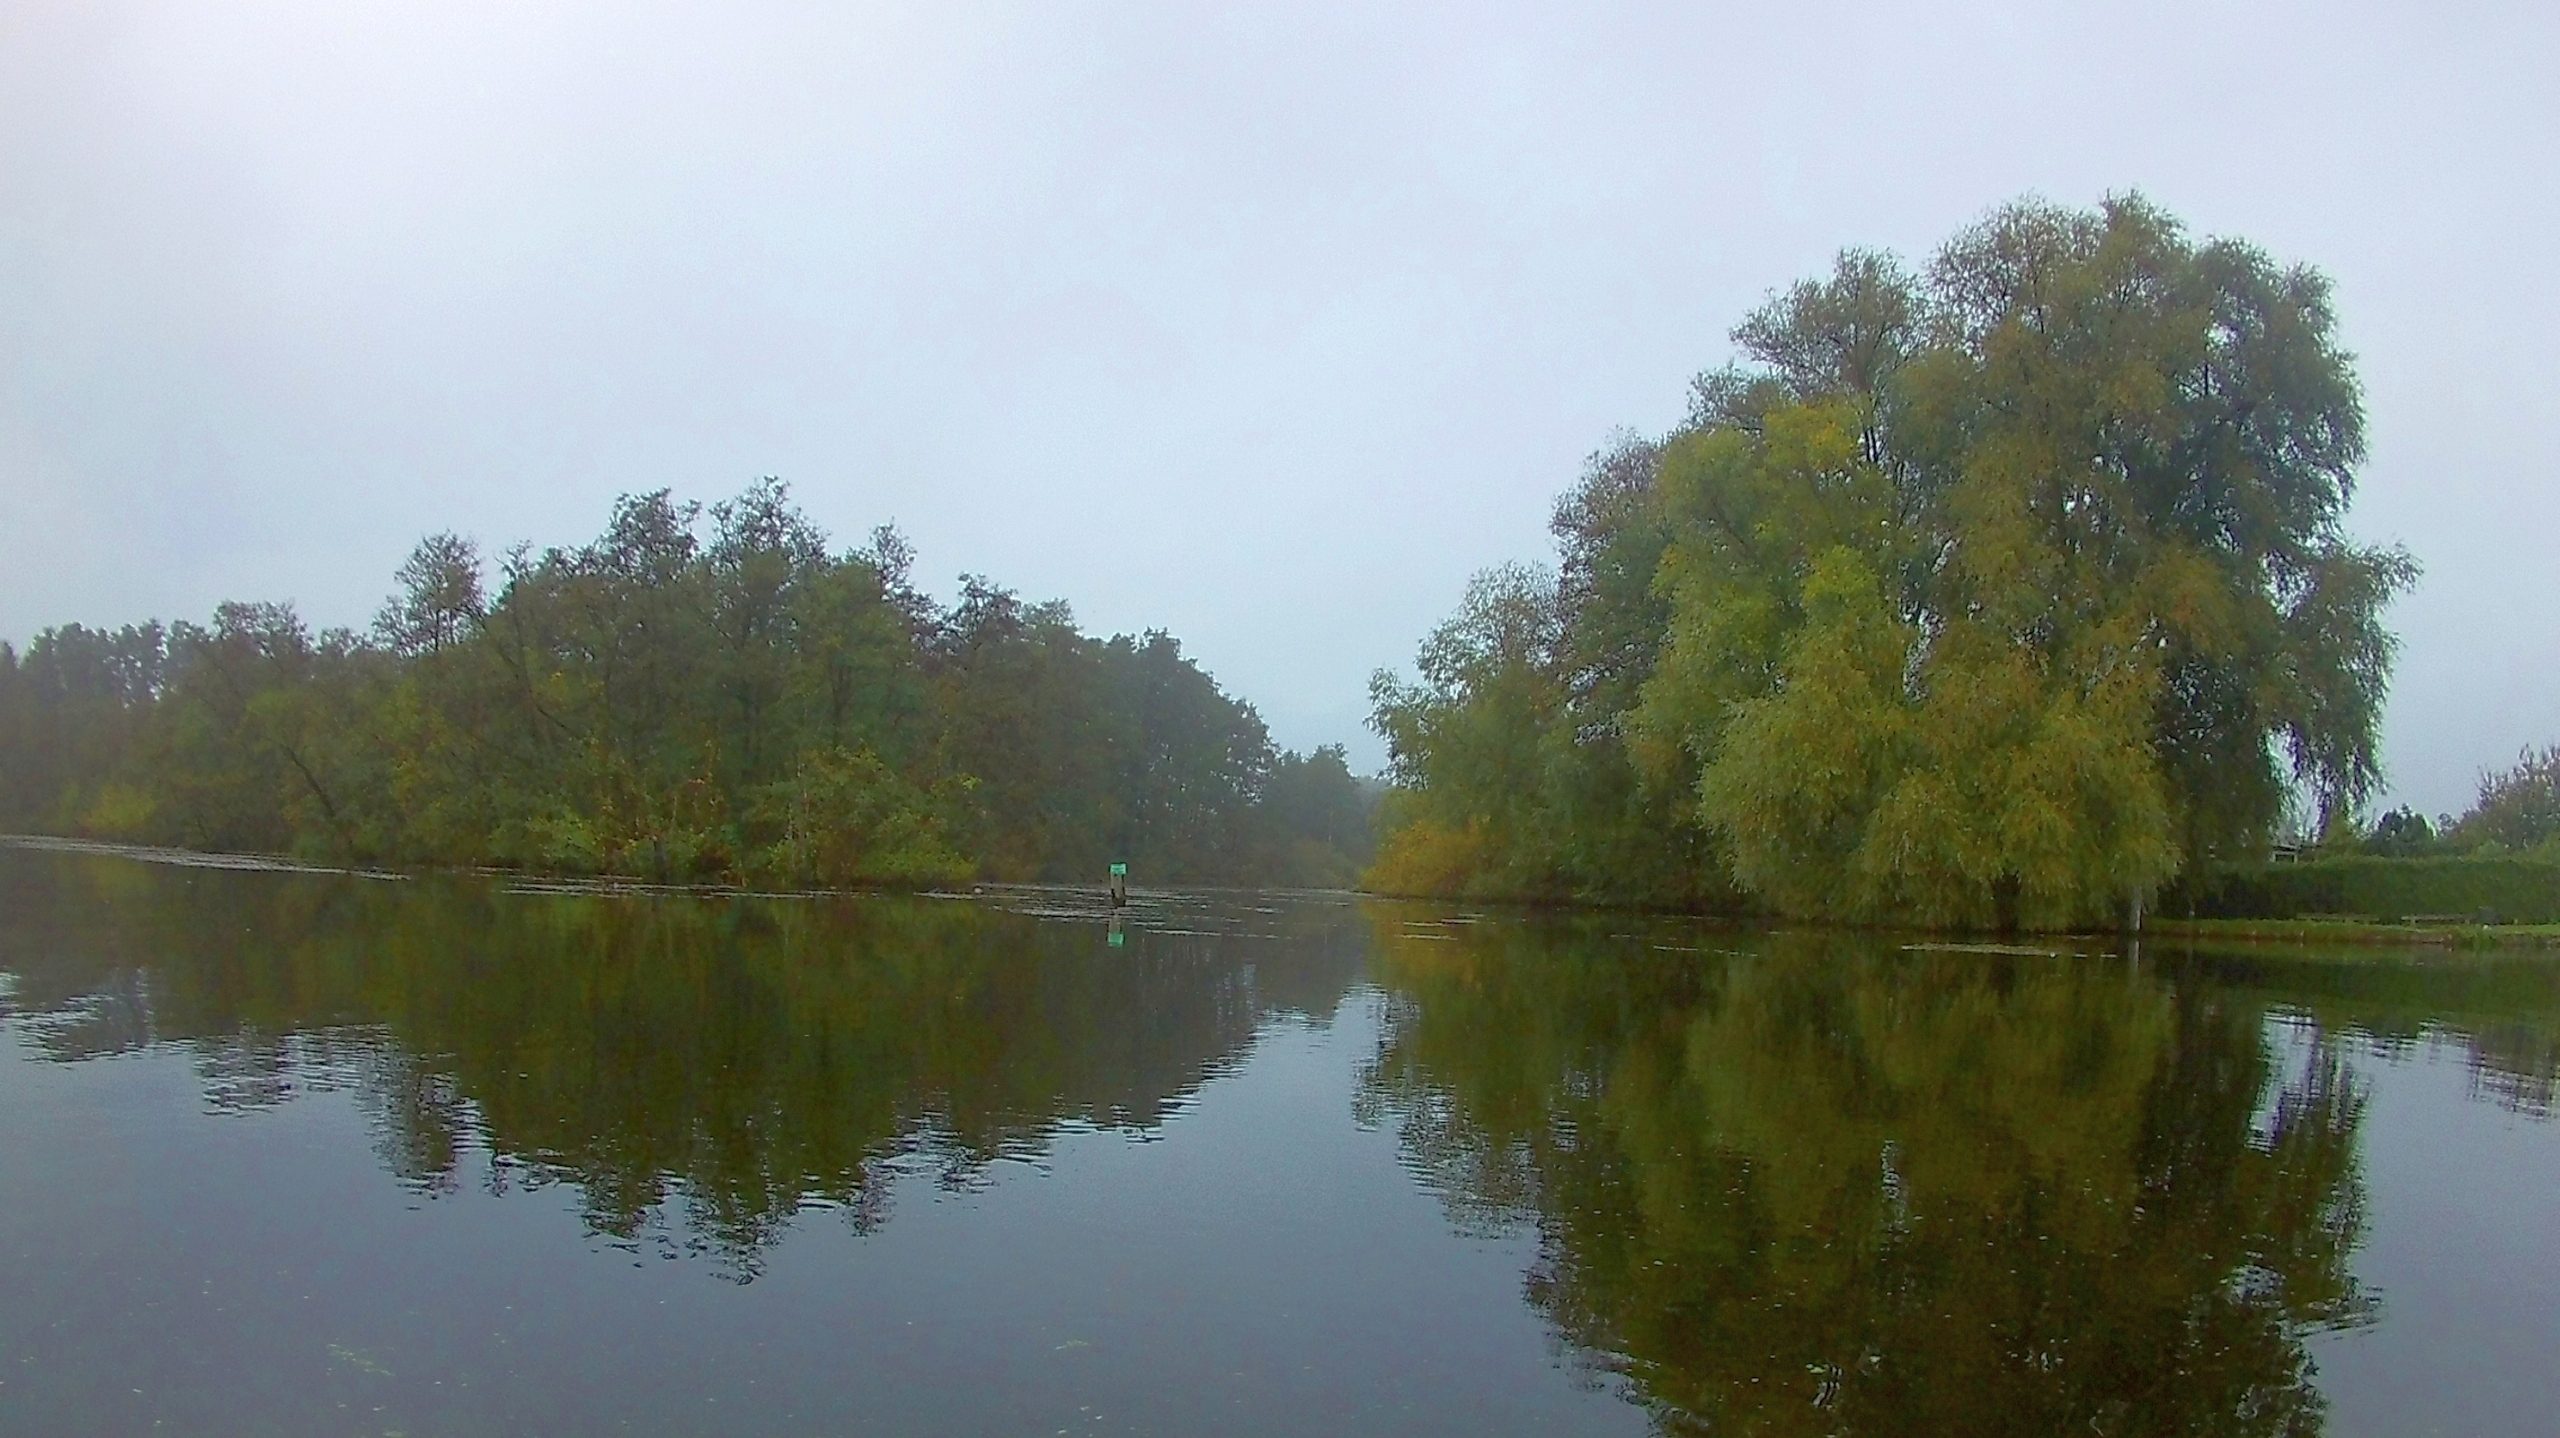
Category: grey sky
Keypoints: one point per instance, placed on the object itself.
(1263, 325)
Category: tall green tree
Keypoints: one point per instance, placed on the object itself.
(1470, 743)
(1990, 593)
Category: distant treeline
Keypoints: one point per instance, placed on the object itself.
(2497, 863)
(679, 699)
(2001, 590)
(2516, 811)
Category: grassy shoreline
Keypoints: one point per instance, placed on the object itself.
(2362, 933)
(2253, 933)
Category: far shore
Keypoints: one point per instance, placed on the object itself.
(2322, 932)
(2361, 933)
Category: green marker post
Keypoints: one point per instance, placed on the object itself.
(1119, 886)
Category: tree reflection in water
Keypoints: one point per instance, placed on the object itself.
(1817, 1184)
(702, 1070)
(1826, 1186)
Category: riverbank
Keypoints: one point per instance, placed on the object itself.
(1066, 900)
(530, 880)
(191, 858)
(2253, 933)
(2359, 933)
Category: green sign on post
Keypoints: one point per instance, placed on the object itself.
(1119, 871)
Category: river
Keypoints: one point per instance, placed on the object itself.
(308, 1153)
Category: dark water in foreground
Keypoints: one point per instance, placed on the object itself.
(287, 1153)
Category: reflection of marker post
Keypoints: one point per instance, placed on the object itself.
(1119, 886)
(1116, 941)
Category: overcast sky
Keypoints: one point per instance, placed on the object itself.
(1266, 325)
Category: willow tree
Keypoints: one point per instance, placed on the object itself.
(2003, 590)
(1995, 591)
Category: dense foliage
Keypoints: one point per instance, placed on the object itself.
(2494, 888)
(1999, 592)
(2499, 862)
(676, 699)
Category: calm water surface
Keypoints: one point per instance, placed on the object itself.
(311, 1154)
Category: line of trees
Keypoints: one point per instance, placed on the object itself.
(1993, 592)
(2516, 810)
(692, 695)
